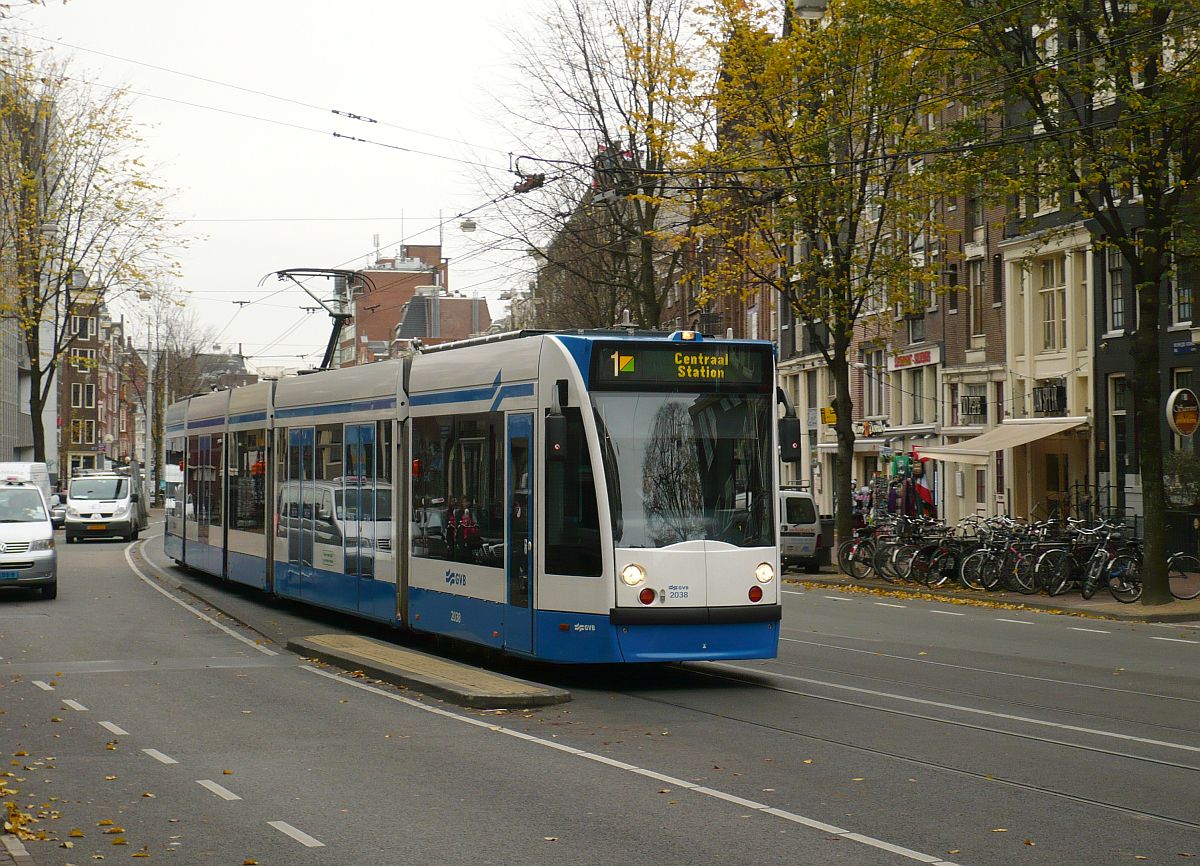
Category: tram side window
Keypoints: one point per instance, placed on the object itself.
(193, 479)
(572, 517)
(458, 488)
(173, 473)
(214, 478)
(247, 477)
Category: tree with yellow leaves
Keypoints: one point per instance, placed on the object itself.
(820, 181)
(81, 219)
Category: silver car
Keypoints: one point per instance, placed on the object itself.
(27, 554)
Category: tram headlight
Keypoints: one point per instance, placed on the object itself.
(765, 572)
(633, 574)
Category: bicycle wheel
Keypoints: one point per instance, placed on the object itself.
(1092, 581)
(1024, 575)
(943, 566)
(845, 554)
(1183, 576)
(906, 566)
(1124, 578)
(883, 561)
(1054, 571)
(971, 572)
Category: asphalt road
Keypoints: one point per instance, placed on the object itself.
(887, 732)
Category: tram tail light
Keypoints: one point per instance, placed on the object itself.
(647, 595)
(756, 593)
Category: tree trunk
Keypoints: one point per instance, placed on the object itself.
(843, 462)
(1148, 413)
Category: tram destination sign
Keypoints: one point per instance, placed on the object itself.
(691, 366)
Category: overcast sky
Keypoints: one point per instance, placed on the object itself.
(261, 180)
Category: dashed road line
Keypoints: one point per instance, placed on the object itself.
(830, 597)
(299, 835)
(1091, 630)
(886, 604)
(630, 768)
(222, 792)
(160, 757)
(45, 687)
(1175, 639)
(948, 612)
(1017, 621)
(75, 705)
(114, 729)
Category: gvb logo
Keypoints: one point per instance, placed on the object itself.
(454, 578)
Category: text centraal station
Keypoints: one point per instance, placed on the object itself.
(701, 366)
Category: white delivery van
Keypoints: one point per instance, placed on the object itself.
(27, 555)
(103, 506)
(799, 529)
(28, 473)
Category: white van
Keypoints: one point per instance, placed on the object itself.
(799, 529)
(27, 554)
(103, 506)
(28, 473)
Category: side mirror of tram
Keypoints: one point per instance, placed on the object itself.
(556, 436)
(789, 439)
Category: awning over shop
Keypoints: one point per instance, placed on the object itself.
(1009, 434)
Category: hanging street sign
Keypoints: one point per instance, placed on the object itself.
(1183, 411)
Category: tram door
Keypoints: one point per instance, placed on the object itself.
(518, 627)
(297, 506)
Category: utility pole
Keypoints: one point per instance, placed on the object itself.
(148, 444)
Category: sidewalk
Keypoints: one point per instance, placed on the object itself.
(1102, 605)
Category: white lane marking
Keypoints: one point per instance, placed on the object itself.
(208, 619)
(223, 793)
(45, 687)
(75, 705)
(948, 612)
(114, 729)
(160, 757)
(1091, 630)
(830, 597)
(797, 592)
(1017, 621)
(1029, 720)
(1175, 639)
(885, 604)
(991, 671)
(299, 835)
(630, 768)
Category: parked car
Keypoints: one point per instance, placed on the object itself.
(799, 530)
(27, 554)
(58, 511)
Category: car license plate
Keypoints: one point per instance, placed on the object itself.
(94, 526)
(9, 575)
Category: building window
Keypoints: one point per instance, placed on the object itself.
(975, 292)
(997, 280)
(1181, 295)
(89, 396)
(952, 393)
(89, 431)
(999, 403)
(76, 395)
(918, 396)
(76, 431)
(1120, 394)
(1116, 289)
(873, 389)
(916, 329)
(1054, 303)
(980, 485)
(1000, 473)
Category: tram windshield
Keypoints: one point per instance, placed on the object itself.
(686, 466)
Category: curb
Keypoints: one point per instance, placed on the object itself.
(12, 851)
(1067, 605)
(458, 683)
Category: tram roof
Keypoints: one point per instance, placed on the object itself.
(347, 385)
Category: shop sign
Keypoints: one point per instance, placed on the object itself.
(868, 429)
(1183, 411)
(972, 405)
(917, 358)
(1184, 347)
(828, 416)
(1050, 398)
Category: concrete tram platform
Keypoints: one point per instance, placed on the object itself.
(1101, 606)
(457, 683)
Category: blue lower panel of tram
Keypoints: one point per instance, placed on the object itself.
(173, 547)
(205, 557)
(590, 638)
(373, 599)
(245, 568)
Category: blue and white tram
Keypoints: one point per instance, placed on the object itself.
(573, 497)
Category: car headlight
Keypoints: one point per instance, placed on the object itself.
(633, 574)
(42, 544)
(765, 572)
(121, 510)
(72, 511)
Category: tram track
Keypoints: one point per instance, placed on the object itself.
(1012, 701)
(936, 766)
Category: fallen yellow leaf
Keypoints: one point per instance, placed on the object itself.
(76, 833)
(1030, 842)
(1000, 830)
(120, 840)
(249, 861)
(227, 772)
(104, 823)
